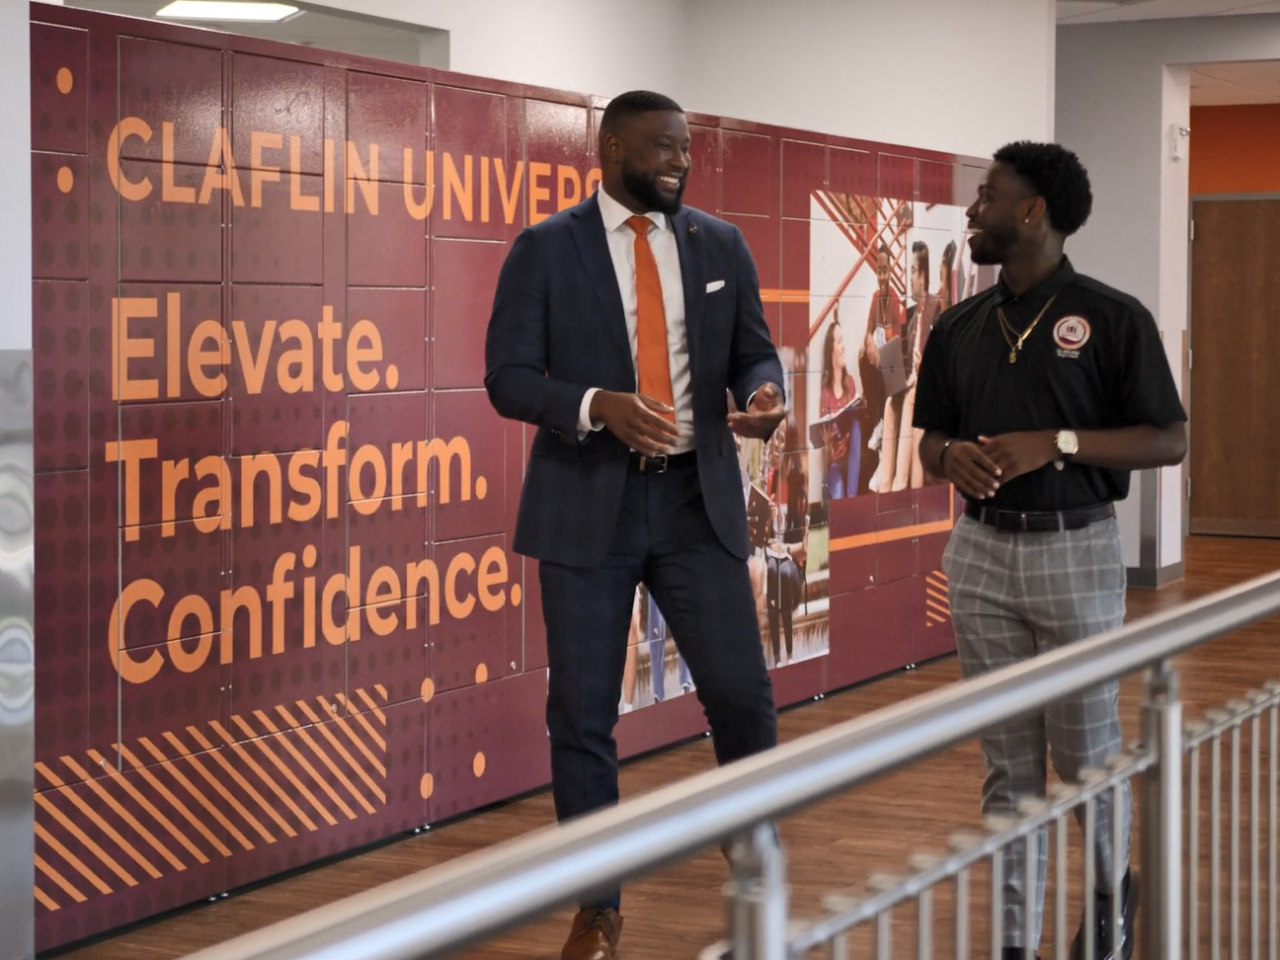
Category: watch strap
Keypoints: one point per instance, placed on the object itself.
(942, 454)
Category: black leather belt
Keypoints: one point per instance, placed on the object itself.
(663, 463)
(1039, 521)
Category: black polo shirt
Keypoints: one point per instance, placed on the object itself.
(1094, 361)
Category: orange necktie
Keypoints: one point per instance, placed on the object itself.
(653, 363)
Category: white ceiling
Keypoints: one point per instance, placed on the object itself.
(314, 27)
(1220, 84)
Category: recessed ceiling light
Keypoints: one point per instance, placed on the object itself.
(227, 10)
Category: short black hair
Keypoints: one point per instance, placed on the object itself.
(632, 104)
(1057, 175)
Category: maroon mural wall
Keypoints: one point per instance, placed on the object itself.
(278, 612)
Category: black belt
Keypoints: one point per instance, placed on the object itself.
(1039, 521)
(662, 463)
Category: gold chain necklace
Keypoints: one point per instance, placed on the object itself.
(1006, 328)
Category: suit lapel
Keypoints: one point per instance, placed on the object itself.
(693, 273)
(593, 248)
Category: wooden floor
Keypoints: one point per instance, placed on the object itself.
(676, 912)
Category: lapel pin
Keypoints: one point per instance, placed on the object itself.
(693, 228)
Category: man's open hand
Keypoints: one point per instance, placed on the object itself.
(763, 415)
(971, 470)
(636, 420)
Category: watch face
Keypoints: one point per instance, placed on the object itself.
(1067, 442)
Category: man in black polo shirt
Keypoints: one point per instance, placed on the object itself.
(1037, 398)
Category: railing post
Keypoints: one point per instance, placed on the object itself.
(758, 896)
(1161, 836)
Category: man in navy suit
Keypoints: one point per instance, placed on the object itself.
(629, 330)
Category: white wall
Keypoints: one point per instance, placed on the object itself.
(915, 72)
(15, 175)
(927, 73)
(586, 46)
(1120, 87)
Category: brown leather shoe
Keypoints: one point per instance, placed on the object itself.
(594, 936)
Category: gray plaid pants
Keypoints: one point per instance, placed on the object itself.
(1014, 595)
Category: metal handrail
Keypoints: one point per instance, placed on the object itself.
(444, 908)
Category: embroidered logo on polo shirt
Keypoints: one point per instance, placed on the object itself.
(1070, 334)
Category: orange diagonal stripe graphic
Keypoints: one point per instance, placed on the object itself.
(199, 797)
(245, 785)
(174, 802)
(109, 861)
(253, 765)
(306, 738)
(261, 744)
(218, 786)
(373, 707)
(96, 819)
(45, 900)
(43, 866)
(106, 797)
(359, 715)
(71, 858)
(303, 762)
(342, 752)
(355, 737)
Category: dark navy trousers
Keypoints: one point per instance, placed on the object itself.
(665, 540)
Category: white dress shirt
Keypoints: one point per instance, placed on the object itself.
(662, 241)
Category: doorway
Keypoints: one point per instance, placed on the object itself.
(1235, 354)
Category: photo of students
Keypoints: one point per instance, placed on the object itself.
(786, 553)
(842, 433)
(881, 362)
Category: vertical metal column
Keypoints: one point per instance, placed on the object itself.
(17, 658)
(758, 906)
(1162, 819)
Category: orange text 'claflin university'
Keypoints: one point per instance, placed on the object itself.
(471, 185)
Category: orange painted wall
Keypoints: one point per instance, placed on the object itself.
(1235, 149)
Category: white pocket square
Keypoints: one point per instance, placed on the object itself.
(715, 285)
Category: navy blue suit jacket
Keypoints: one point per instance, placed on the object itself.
(558, 328)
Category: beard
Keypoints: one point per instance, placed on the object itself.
(992, 246)
(645, 189)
